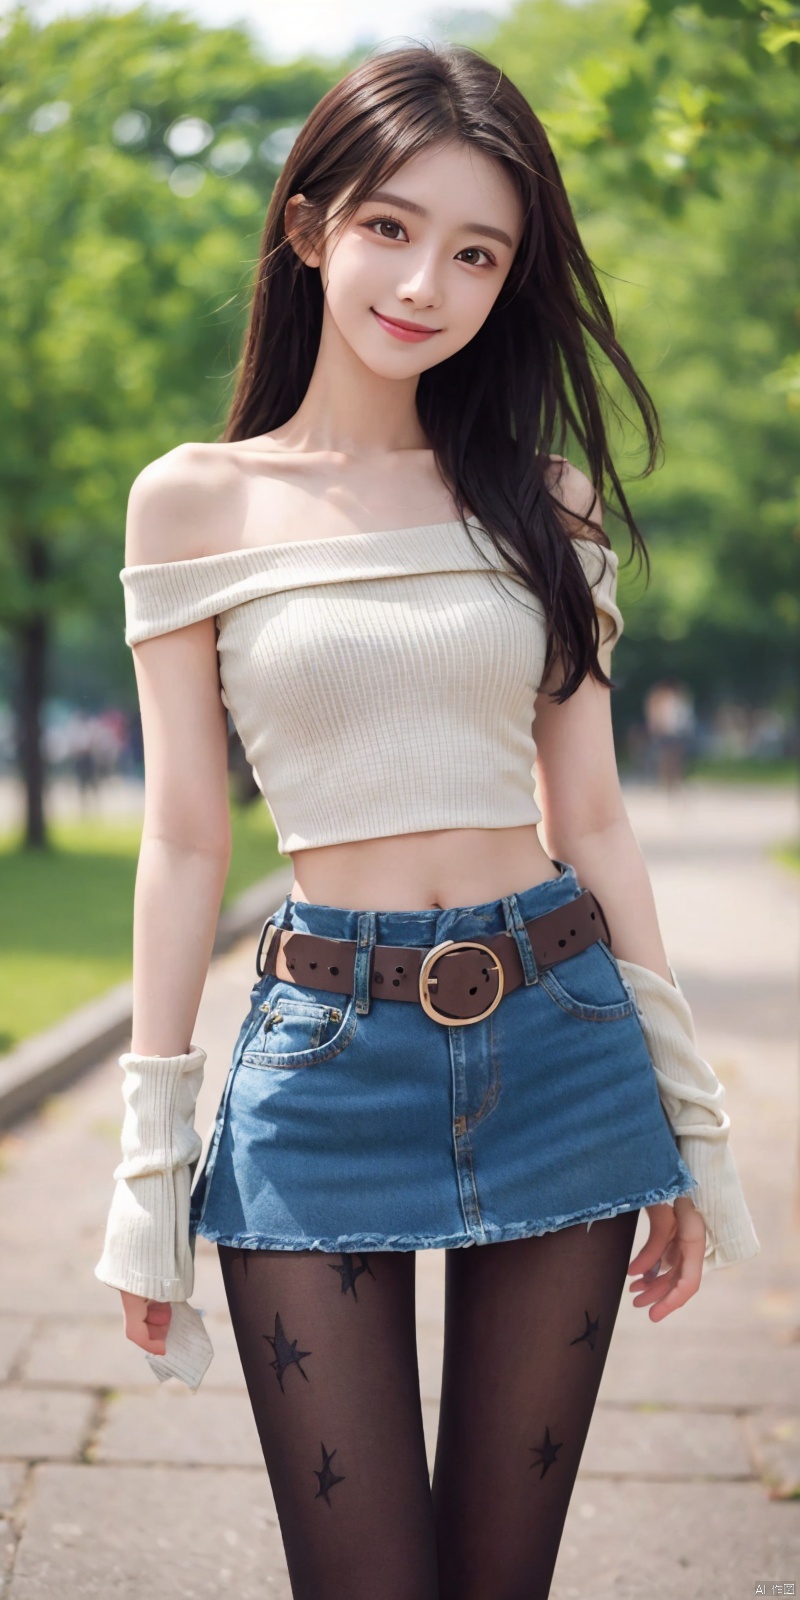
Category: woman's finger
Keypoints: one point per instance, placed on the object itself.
(673, 1288)
(662, 1229)
(676, 1297)
(146, 1322)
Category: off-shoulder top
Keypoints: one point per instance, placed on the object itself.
(381, 683)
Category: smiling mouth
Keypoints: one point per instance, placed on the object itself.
(411, 330)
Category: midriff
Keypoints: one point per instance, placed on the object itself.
(415, 871)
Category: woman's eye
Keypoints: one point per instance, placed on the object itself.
(392, 222)
(476, 250)
(384, 222)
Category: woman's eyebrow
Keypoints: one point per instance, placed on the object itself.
(419, 211)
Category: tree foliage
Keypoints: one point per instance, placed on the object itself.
(662, 96)
(697, 261)
(138, 153)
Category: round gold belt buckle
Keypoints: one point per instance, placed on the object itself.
(427, 981)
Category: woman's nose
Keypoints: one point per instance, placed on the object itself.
(421, 284)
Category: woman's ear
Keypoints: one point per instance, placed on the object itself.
(296, 224)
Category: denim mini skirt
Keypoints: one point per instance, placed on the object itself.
(371, 1126)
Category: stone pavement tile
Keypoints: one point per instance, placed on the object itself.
(44, 1422)
(430, 1265)
(430, 1342)
(90, 1352)
(93, 1352)
(688, 1366)
(209, 1290)
(430, 1423)
(12, 1476)
(93, 1532)
(675, 1541)
(173, 1425)
(645, 1443)
(8, 1545)
(774, 1438)
(15, 1339)
(39, 1279)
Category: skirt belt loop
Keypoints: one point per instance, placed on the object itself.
(362, 967)
(515, 926)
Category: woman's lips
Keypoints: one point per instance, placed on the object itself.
(410, 333)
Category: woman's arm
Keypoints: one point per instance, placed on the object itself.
(182, 869)
(584, 820)
(186, 840)
(186, 836)
(585, 823)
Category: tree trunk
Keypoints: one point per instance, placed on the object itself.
(32, 640)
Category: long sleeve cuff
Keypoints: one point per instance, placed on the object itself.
(148, 1249)
(693, 1099)
(160, 1094)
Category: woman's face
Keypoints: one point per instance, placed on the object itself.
(431, 247)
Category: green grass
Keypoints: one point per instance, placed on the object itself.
(65, 934)
(788, 855)
(739, 770)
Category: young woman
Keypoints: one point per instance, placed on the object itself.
(392, 580)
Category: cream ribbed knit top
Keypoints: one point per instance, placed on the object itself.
(381, 683)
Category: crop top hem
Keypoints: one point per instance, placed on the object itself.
(381, 683)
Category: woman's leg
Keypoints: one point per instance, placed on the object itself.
(328, 1348)
(527, 1329)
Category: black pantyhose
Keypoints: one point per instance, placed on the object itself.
(527, 1333)
(328, 1349)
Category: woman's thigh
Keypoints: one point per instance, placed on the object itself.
(527, 1330)
(328, 1350)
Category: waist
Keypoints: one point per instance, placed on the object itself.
(436, 869)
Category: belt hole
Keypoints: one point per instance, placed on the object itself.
(592, 915)
(396, 983)
(334, 970)
(561, 943)
(399, 969)
(379, 977)
(312, 965)
(572, 933)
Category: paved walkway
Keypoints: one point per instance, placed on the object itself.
(113, 1484)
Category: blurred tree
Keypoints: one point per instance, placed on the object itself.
(137, 154)
(661, 94)
(705, 297)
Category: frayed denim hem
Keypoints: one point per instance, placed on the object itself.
(487, 1233)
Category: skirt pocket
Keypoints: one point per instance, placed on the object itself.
(300, 1027)
(589, 986)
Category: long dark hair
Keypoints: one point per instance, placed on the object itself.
(494, 412)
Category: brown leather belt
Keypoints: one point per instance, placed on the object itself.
(471, 976)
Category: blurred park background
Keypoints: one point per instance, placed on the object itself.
(138, 150)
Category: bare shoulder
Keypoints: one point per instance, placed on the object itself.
(184, 504)
(579, 497)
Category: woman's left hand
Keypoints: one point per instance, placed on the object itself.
(677, 1241)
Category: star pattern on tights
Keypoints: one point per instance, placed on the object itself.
(327, 1476)
(286, 1353)
(546, 1453)
(589, 1333)
(348, 1271)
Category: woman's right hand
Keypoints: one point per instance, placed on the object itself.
(146, 1322)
